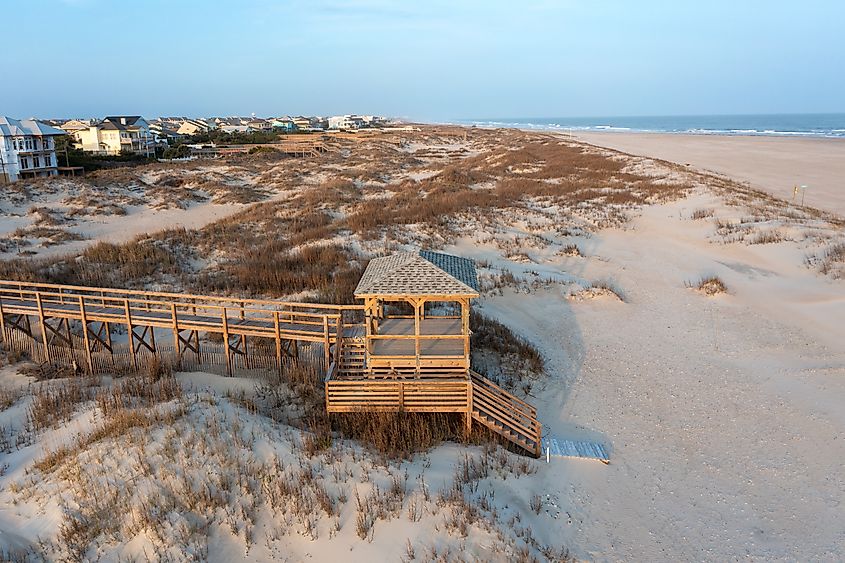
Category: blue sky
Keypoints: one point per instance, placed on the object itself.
(432, 59)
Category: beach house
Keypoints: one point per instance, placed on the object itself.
(117, 134)
(27, 149)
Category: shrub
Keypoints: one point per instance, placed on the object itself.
(710, 285)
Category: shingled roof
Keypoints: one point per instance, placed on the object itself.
(419, 273)
(17, 127)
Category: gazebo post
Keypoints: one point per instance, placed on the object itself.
(417, 305)
(465, 328)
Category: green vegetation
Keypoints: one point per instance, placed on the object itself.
(68, 155)
(177, 151)
(235, 138)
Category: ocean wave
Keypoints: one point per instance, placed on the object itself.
(706, 126)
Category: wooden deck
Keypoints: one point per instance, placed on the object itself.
(478, 398)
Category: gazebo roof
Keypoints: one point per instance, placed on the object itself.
(419, 273)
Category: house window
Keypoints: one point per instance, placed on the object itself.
(37, 161)
(24, 163)
(29, 143)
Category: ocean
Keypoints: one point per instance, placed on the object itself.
(803, 125)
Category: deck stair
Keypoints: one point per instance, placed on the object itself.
(506, 415)
(352, 355)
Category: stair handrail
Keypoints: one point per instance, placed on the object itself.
(485, 381)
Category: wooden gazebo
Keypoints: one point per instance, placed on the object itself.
(412, 353)
(416, 314)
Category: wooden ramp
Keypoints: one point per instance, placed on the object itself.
(557, 447)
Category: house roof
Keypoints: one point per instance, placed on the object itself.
(419, 273)
(11, 127)
(119, 119)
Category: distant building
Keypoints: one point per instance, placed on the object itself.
(27, 149)
(301, 122)
(346, 122)
(236, 128)
(283, 123)
(71, 126)
(193, 127)
(260, 125)
(164, 132)
(117, 134)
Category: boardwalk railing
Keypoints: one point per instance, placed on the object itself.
(184, 316)
(393, 395)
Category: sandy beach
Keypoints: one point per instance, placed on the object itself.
(773, 164)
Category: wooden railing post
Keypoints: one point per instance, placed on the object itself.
(226, 343)
(469, 408)
(43, 327)
(176, 343)
(326, 343)
(401, 395)
(88, 357)
(338, 341)
(130, 334)
(2, 321)
(278, 332)
(417, 320)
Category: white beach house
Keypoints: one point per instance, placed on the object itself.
(117, 134)
(27, 149)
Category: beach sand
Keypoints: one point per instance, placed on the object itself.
(773, 164)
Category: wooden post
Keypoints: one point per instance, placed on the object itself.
(469, 408)
(417, 350)
(88, 357)
(326, 343)
(109, 343)
(176, 342)
(226, 343)
(338, 341)
(245, 350)
(465, 327)
(278, 342)
(43, 327)
(131, 334)
(401, 395)
(2, 321)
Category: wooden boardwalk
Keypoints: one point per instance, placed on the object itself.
(102, 330)
(142, 313)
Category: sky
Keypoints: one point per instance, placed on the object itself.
(427, 60)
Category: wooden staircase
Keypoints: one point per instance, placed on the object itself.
(352, 355)
(505, 414)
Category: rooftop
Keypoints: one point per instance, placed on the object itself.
(17, 127)
(419, 273)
